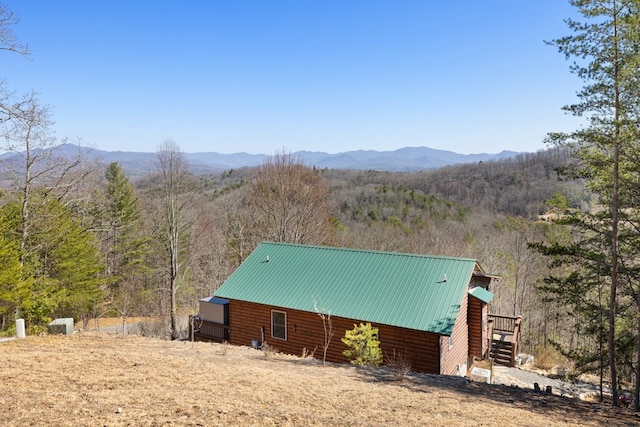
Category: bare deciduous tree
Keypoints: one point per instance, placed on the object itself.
(34, 163)
(241, 236)
(176, 186)
(291, 202)
(327, 325)
(8, 40)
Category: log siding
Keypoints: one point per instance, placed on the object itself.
(305, 331)
(454, 350)
(477, 336)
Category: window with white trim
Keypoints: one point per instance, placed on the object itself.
(278, 324)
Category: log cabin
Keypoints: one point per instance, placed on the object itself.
(432, 310)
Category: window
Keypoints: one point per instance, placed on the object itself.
(279, 324)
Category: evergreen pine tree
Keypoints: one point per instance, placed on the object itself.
(605, 50)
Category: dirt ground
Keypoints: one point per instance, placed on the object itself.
(101, 379)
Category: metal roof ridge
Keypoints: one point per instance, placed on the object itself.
(372, 251)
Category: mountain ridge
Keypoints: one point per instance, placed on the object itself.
(406, 159)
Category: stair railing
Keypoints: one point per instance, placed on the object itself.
(516, 339)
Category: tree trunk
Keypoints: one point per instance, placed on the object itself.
(614, 217)
(636, 391)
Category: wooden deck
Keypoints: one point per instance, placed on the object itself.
(202, 330)
(505, 337)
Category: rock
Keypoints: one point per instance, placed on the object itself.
(525, 359)
(481, 375)
(118, 410)
(561, 371)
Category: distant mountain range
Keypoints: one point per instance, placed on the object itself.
(409, 159)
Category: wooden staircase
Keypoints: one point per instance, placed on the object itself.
(502, 349)
(505, 336)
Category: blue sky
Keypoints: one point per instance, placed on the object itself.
(262, 76)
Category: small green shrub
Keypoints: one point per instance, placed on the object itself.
(364, 347)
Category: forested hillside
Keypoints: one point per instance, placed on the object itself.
(457, 210)
(517, 186)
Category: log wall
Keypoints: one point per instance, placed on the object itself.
(305, 331)
(476, 348)
(454, 353)
(485, 330)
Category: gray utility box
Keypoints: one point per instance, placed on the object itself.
(215, 310)
(62, 326)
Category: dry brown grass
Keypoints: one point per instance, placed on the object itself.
(103, 322)
(547, 358)
(96, 379)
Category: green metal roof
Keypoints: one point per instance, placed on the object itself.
(482, 294)
(412, 291)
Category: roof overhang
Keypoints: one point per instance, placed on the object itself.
(478, 271)
(482, 294)
(215, 300)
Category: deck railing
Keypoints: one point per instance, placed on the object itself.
(505, 323)
(511, 325)
(516, 339)
(208, 331)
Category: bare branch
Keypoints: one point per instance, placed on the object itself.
(8, 40)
